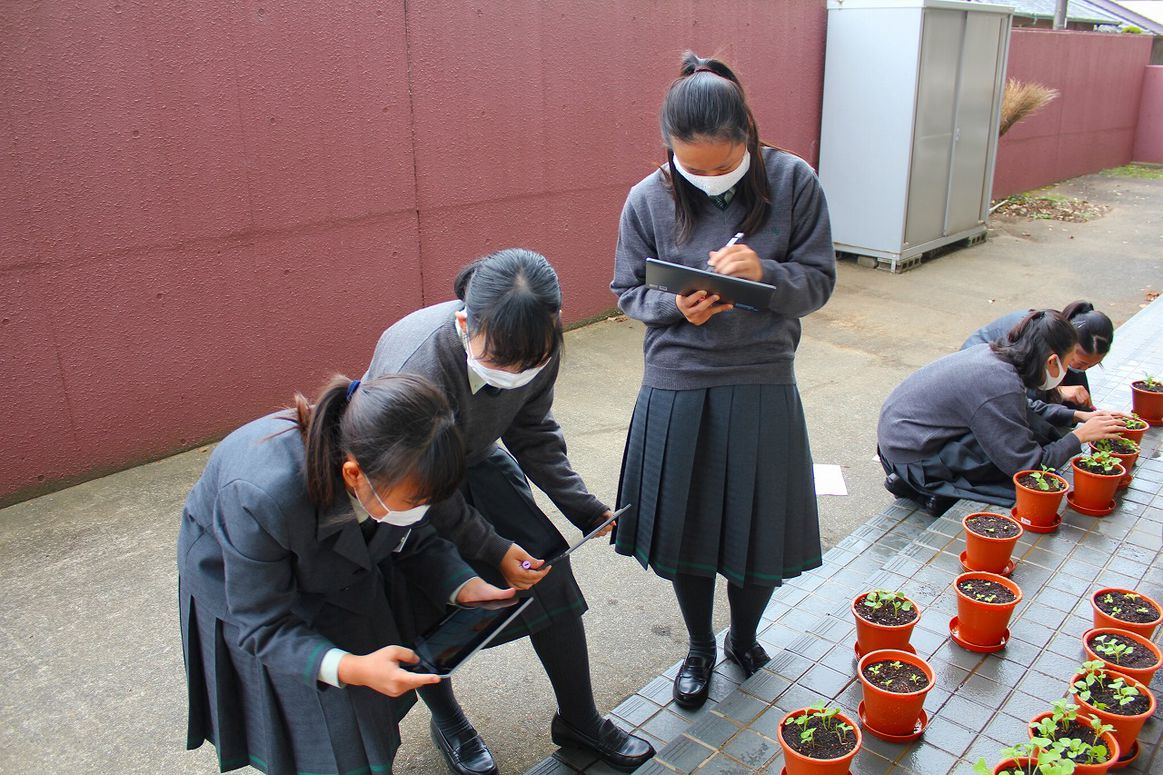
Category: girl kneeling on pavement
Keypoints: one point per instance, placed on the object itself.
(293, 552)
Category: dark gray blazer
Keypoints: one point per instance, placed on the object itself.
(296, 580)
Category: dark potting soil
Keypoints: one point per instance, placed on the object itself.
(899, 677)
(1156, 388)
(1121, 446)
(982, 589)
(1076, 730)
(993, 527)
(826, 743)
(1133, 424)
(886, 614)
(1103, 695)
(1052, 484)
(1095, 468)
(1140, 655)
(1130, 609)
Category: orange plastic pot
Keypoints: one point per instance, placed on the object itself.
(985, 553)
(1022, 764)
(795, 763)
(871, 636)
(1127, 728)
(893, 713)
(1147, 404)
(1107, 739)
(1040, 507)
(1141, 674)
(1095, 491)
(982, 623)
(1103, 619)
(1134, 434)
(1126, 460)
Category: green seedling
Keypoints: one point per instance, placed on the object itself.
(1134, 422)
(878, 598)
(828, 721)
(1149, 381)
(1112, 649)
(1041, 478)
(1108, 598)
(1104, 460)
(985, 598)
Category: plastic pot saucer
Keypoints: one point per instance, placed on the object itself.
(977, 648)
(1027, 525)
(1088, 511)
(1006, 571)
(918, 730)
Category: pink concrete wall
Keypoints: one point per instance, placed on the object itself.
(1149, 138)
(207, 206)
(1091, 126)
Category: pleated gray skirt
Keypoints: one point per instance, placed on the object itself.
(720, 481)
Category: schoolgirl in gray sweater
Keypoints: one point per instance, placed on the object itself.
(717, 464)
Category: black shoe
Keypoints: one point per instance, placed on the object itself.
(749, 659)
(694, 679)
(464, 751)
(936, 505)
(900, 488)
(613, 745)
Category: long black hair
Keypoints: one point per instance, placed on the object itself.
(706, 102)
(512, 297)
(1033, 340)
(1095, 330)
(396, 426)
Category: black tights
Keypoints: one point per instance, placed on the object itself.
(562, 651)
(696, 599)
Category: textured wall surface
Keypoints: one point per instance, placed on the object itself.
(1092, 124)
(208, 206)
(1149, 138)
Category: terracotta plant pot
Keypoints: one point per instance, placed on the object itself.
(1147, 404)
(1103, 619)
(1011, 764)
(981, 623)
(991, 555)
(1038, 508)
(1107, 739)
(871, 636)
(1135, 434)
(1126, 727)
(1141, 674)
(1126, 460)
(1095, 492)
(795, 763)
(893, 713)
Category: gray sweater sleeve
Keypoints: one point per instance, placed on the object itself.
(1055, 414)
(1001, 428)
(804, 282)
(652, 307)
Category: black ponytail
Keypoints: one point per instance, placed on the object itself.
(1095, 330)
(396, 426)
(706, 102)
(1033, 340)
(513, 298)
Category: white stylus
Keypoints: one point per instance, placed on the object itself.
(738, 236)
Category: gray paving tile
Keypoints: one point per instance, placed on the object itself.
(636, 709)
(765, 686)
(713, 730)
(740, 707)
(722, 765)
(948, 735)
(665, 726)
(825, 681)
(685, 754)
(926, 758)
(751, 749)
(551, 766)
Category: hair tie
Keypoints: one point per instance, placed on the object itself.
(351, 388)
(704, 69)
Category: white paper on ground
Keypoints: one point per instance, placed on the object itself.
(829, 480)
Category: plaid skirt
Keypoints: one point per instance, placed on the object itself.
(720, 482)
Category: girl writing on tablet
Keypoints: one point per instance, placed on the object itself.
(717, 464)
(292, 554)
(496, 351)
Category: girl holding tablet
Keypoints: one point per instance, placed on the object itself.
(292, 553)
(717, 462)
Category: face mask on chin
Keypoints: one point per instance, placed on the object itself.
(1050, 382)
(714, 185)
(502, 380)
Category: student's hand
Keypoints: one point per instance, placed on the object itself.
(1075, 394)
(606, 530)
(1101, 425)
(698, 307)
(477, 591)
(380, 670)
(737, 261)
(517, 576)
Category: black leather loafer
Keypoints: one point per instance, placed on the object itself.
(464, 751)
(936, 505)
(900, 488)
(613, 745)
(694, 680)
(749, 659)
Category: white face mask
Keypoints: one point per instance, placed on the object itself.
(715, 185)
(1049, 383)
(405, 518)
(503, 380)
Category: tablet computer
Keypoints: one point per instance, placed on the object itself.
(445, 647)
(589, 535)
(680, 279)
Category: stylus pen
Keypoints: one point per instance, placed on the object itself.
(738, 236)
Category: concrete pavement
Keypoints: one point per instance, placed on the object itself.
(92, 676)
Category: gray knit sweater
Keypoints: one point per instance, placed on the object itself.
(738, 346)
(969, 390)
